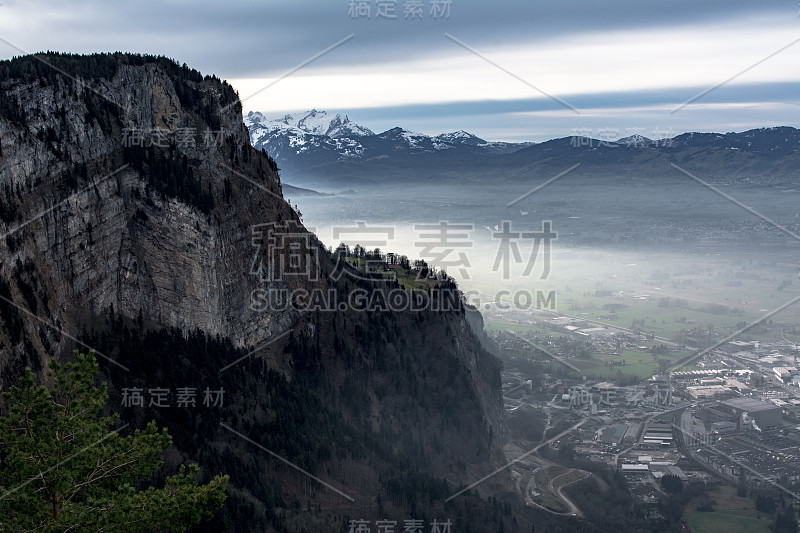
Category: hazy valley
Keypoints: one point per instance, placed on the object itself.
(344, 328)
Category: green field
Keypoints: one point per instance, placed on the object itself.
(694, 301)
(715, 522)
(664, 295)
(641, 370)
(637, 363)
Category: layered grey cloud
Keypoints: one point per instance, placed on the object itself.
(619, 61)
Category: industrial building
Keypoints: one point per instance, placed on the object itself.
(710, 415)
(764, 414)
(613, 435)
(785, 373)
(723, 428)
(635, 469)
(658, 433)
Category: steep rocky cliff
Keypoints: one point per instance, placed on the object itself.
(135, 220)
(104, 237)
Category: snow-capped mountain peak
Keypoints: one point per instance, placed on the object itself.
(323, 123)
(412, 138)
(296, 134)
(312, 122)
(635, 140)
(315, 139)
(460, 137)
(256, 117)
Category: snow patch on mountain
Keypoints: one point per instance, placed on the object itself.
(460, 137)
(313, 122)
(314, 129)
(321, 137)
(635, 141)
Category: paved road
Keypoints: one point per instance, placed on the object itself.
(574, 511)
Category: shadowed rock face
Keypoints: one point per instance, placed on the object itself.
(111, 240)
(130, 186)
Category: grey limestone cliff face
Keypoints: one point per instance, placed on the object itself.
(107, 239)
(85, 228)
(134, 188)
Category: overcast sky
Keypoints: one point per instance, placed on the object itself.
(504, 70)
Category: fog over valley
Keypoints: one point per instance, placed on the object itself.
(371, 266)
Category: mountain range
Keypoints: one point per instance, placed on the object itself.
(317, 140)
(328, 151)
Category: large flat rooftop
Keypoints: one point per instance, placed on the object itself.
(749, 404)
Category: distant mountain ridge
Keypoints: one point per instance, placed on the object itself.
(324, 124)
(318, 138)
(321, 149)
